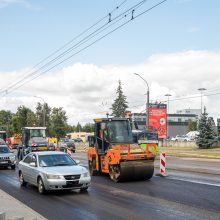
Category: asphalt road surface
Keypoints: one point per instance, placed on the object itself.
(158, 198)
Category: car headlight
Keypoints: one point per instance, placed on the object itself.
(51, 176)
(12, 158)
(85, 174)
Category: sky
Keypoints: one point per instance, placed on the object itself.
(174, 47)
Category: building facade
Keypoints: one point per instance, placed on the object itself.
(177, 123)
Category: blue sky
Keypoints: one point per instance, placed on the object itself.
(31, 30)
(175, 47)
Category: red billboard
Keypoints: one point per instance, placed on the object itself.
(158, 119)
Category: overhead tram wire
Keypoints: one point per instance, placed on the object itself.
(62, 47)
(85, 47)
(120, 26)
(70, 49)
(86, 39)
(78, 44)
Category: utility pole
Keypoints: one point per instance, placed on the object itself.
(44, 110)
(148, 100)
(168, 99)
(201, 91)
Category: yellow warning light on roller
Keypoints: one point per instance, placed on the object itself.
(98, 120)
(152, 149)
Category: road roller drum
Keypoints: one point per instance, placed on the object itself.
(132, 170)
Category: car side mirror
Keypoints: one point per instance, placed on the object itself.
(32, 164)
(77, 162)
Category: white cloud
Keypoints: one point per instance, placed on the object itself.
(87, 91)
(24, 3)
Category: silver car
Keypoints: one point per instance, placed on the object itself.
(7, 158)
(53, 170)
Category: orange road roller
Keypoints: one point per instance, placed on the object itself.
(114, 151)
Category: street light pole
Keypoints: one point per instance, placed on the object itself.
(44, 110)
(201, 91)
(148, 100)
(168, 99)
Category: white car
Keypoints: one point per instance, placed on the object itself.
(53, 170)
(181, 138)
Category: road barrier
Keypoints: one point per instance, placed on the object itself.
(85, 148)
(163, 164)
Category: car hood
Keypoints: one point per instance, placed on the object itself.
(6, 155)
(64, 170)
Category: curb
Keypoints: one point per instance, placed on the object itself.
(14, 208)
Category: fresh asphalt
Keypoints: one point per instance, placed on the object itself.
(182, 195)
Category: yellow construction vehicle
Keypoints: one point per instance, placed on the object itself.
(112, 150)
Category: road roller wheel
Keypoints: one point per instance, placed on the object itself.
(92, 168)
(114, 172)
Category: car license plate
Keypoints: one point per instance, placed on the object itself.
(3, 162)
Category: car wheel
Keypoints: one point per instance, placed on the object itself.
(13, 167)
(21, 180)
(40, 186)
(84, 189)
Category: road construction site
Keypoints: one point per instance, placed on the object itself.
(190, 191)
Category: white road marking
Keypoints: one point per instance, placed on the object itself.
(192, 181)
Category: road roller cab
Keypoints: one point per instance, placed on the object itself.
(33, 139)
(3, 135)
(112, 150)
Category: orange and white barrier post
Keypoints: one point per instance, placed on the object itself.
(85, 148)
(163, 164)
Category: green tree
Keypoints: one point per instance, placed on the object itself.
(15, 125)
(89, 127)
(120, 104)
(6, 121)
(24, 117)
(79, 127)
(40, 114)
(207, 135)
(192, 125)
(70, 128)
(58, 123)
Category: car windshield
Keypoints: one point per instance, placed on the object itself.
(4, 150)
(119, 132)
(2, 142)
(55, 160)
(37, 133)
(64, 139)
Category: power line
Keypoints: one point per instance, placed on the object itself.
(74, 47)
(133, 17)
(66, 44)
